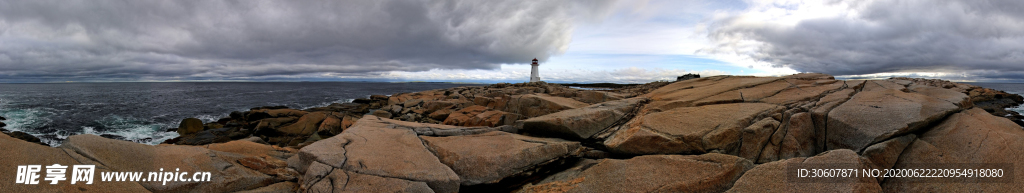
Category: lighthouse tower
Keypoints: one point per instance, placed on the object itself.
(534, 76)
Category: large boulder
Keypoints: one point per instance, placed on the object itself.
(373, 147)
(885, 154)
(493, 156)
(872, 116)
(755, 138)
(593, 96)
(464, 115)
(190, 126)
(689, 130)
(432, 106)
(772, 177)
(266, 159)
(123, 156)
(491, 118)
(306, 125)
(650, 173)
(332, 124)
(583, 123)
(270, 124)
(967, 138)
(957, 98)
(800, 139)
(26, 137)
(533, 105)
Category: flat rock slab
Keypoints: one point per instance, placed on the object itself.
(347, 181)
(973, 136)
(123, 156)
(802, 93)
(17, 152)
(687, 93)
(490, 157)
(376, 149)
(582, 123)
(771, 177)
(650, 173)
(689, 129)
(376, 146)
(872, 116)
(533, 105)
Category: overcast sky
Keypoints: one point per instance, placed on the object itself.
(493, 41)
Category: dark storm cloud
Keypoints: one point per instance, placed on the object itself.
(230, 39)
(983, 38)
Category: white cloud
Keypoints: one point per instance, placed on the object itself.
(976, 39)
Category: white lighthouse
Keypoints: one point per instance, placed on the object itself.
(534, 76)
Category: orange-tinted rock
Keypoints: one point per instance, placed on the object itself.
(771, 177)
(490, 119)
(872, 116)
(227, 174)
(382, 113)
(583, 123)
(756, 93)
(972, 136)
(650, 173)
(800, 138)
(254, 149)
(802, 93)
(957, 98)
(593, 96)
(440, 114)
(379, 148)
(810, 76)
(686, 93)
(756, 136)
(727, 97)
(533, 105)
(18, 152)
(331, 125)
(306, 125)
(490, 157)
(433, 106)
(885, 154)
(463, 116)
(348, 181)
(711, 128)
(280, 187)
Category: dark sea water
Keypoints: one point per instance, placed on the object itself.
(142, 112)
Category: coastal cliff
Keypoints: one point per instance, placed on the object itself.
(710, 134)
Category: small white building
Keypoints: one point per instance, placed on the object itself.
(534, 76)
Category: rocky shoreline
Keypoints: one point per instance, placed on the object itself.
(710, 134)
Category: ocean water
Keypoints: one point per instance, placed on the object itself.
(1014, 88)
(142, 112)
